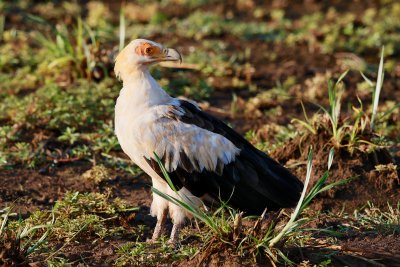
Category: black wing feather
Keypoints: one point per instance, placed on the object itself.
(251, 183)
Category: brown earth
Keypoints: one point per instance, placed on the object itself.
(367, 184)
(361, 250)
(28, 191)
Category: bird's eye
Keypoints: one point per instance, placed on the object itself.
(148, 51)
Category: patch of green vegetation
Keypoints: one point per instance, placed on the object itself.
(76, 217)
(88, 203)
(351, 132)
(76, 53)
(20, 240)
(368, 220)
(98, 173)
(374, 218)
(181, 85)
(145, 254)
(78, 118)
(204, 24)
(270, 97)
(335, 31)
(58, 262)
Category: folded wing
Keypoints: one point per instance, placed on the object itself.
(204, 155)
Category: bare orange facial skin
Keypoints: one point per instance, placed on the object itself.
(146, 49)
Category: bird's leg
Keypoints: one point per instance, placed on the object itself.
(159, 226)
(174, 238)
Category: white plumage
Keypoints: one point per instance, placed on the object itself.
(143, 128)
(202, 160)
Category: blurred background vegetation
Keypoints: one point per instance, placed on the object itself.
(256, 61)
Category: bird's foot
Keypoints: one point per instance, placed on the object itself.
(174, 238)
(151, 241)
(156, 236)
(173, 243)
(159, 229)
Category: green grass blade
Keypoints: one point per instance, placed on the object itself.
(377, 91)
(307, 125)
(197, 213)
(370, 83)
(37, 19)
(122, 28)
(5, 219)
(298, 209)
(42, 239)
(325, 231)
(390, 111)
(165, 173)
(79, 39)
(341, 77)
(330, 157)
(337, 183)
(2, 26)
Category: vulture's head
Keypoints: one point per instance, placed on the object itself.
(140, 53)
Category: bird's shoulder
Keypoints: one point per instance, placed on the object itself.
(189, 112)
(181, 136)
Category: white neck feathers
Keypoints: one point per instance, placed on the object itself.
(140, 88)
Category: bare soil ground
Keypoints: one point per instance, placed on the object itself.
(367, 183)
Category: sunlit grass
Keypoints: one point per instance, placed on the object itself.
(347, 132)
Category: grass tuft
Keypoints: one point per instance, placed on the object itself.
(350, 132)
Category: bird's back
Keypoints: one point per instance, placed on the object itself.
(250, 182)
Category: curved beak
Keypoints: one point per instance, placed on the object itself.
(171, 54)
